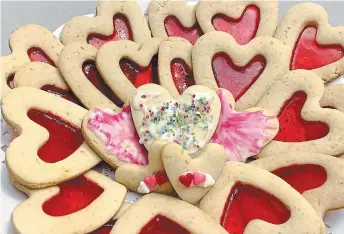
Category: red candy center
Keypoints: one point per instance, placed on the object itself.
(138, 75)
(163, 225)
(243, 29)
(74, 195)
(174, 28)
(63, 140)
(106, 228)
(309, 54)
(234, 78)
(245, 203)
(292, 127)
(66, 94)
(90, 70)
(182, 75)
(303, 177)
(122, 31)
(38, 55)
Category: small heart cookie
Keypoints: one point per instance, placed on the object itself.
(247, 71)
(28, 43)
(45, 77)
(50, 138)
(115, 20)
(70, 207)
(304, 125)
(77, 65)
(155, 213)
(170, 18)
(175, 65)
(243, 20)
(125, 66)
(247, 199)
(193, 177)
(189, 120)
(318, 177)
(311, 43)
(333, 97)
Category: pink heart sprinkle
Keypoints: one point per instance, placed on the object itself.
(198, 178)
(150, 181)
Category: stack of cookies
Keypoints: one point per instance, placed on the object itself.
(215, 114)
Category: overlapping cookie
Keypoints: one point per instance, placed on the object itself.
(155, 213)
(28, 43)
(333, 97)
(247, 71)
(248, 199)
(319, 178)
(244, 20)
(71, 206)
(77, 65)
(311, 43)
(173, 18)
(175, 65)
(304, 125)
(50, 148)
(126, 65)
(115, 20)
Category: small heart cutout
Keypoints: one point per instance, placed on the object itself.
(174, 28)
(242, 29)
(234, 78)
(309, 54)
(293, 128)
(186, 179)
(122, 31)
(38, 55)
(182, 75)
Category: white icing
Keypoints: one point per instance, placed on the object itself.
(143, 188)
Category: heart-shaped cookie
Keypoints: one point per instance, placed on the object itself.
(248, 199)
(155, 213)
(45, 77)
(50, 138)
(245, 70)
(311, 43)
(115, 20)
(190, 177)
(175, 65)
(243, 134)
(317, 177)
(28, 43)
(125, 65)
(244, 20)
(169, 18)
(70, 206)
(189, 120)
(77, 65)
(333, 97)
(304, 125)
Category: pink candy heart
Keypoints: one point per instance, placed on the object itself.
(150, 181)
(198, 178)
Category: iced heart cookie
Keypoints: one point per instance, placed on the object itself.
(333, 97)
(125, 65)
(115, 20)
(190, 177)
(45, 77)
(245, 70)
(50, 138)
(171, 18)
(244, 20)
(75, 206)
(318, 177)
(28, 43)
(247, 199)
(303, 124)
(243, 134)
(175, 65)
(311, 43)
(77, 65)
(155, 213)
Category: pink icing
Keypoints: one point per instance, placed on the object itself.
(240, 133)
(118, 133)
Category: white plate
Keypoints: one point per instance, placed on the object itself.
(11, 197)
